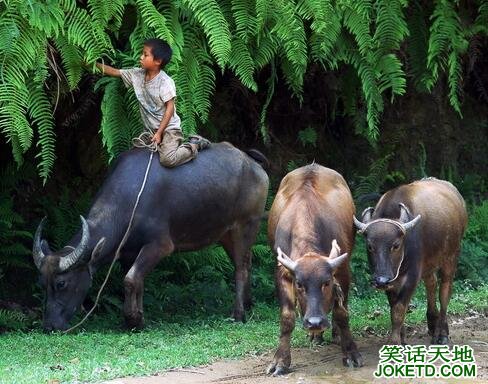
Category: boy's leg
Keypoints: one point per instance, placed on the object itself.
(172, 152)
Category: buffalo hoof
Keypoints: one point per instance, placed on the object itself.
(277, 369)
(353, 359)
(134, 323)
(239, 316)
(440, 340)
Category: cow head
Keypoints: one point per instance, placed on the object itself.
(65, 276)
(314, 279)
(385, 242)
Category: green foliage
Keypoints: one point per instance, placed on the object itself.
(308, 136)
(364, 38)
(473, 262)
(12, 320)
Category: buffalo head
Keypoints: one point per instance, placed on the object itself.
(314, 280)
(65, 276)
(385, 242)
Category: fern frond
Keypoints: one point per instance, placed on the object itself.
(417, 46)
(40, 111)
(391, 27)
(72, 60)
(245, 19)
(209, 15)
(242, 63)
(154, 19)
(357, 21)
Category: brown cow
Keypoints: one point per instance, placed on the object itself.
(311, 210)
(414, 232)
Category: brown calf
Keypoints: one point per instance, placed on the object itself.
(310, 216)
(414, 232)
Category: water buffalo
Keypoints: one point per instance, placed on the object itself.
(310, 216)
(218, 197)
(414, 232)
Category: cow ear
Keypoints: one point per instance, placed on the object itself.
(366, 215)
(97, 251)
(405, 214)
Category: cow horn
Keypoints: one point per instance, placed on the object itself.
(286, 261)
(360, 226)
(335, 250)
(412, 223)
(37, 252)
(337, 261)
(366, 215)
(79, 252)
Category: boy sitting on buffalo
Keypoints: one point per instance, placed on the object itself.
(156, 94)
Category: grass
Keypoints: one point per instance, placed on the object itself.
(102, 351)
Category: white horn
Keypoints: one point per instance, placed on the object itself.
(335, 250)
(286, 261)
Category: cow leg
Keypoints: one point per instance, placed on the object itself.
(282, 357)
(237, 243)
(441, 335)
(149, 256)
(432, 312)
(398, 309)
(351, 355)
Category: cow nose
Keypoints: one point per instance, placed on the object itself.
(381, 281)
(315, 322)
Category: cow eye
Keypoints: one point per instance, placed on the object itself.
(60, 284)
(326, 284)
(299, 285)
(395, 246)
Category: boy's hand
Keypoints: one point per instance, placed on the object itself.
(157, 138)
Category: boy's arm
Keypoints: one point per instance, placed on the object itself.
(108, 70)
(170, 110)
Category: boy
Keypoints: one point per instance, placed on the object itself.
(156, 93)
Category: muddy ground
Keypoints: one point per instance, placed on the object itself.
(323, 364)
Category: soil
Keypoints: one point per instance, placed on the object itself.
(323, 364)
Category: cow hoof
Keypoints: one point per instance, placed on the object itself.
(354, 359)
(134, 323)
(276, 369)
(239, 316)
(441, 340)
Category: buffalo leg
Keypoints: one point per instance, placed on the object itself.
(441, 335)
(237, 243)
(432, 312)
(398, 309)
(282, 357)
(351, 355)
(149, 256)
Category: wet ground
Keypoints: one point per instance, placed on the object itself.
(323, 364)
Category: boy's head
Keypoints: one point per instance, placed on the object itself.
(160, 50)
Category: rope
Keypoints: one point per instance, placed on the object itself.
(143, 141)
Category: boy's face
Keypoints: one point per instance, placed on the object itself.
(147, 60)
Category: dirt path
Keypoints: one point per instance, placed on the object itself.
(323, 364)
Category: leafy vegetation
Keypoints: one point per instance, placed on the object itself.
(46, 42)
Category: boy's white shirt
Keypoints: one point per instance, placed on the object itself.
(152, 96)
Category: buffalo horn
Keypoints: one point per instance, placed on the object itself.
(335, 250)
(286, 261)
(359, 225)
(337, 261)
(37, 252)
(77, 254)
(411, 223)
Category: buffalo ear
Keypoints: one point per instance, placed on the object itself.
(366, 215)
(97, 251)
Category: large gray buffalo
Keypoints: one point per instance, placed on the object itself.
(310, 220)
(414, 233)
(218, 197)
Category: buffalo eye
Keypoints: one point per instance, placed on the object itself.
(326, 284)
(60, 285)
(395, 246)
(370, 247)
(299, 285)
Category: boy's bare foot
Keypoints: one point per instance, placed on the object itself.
(200, 141)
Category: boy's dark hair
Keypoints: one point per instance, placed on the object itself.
(160, 49)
